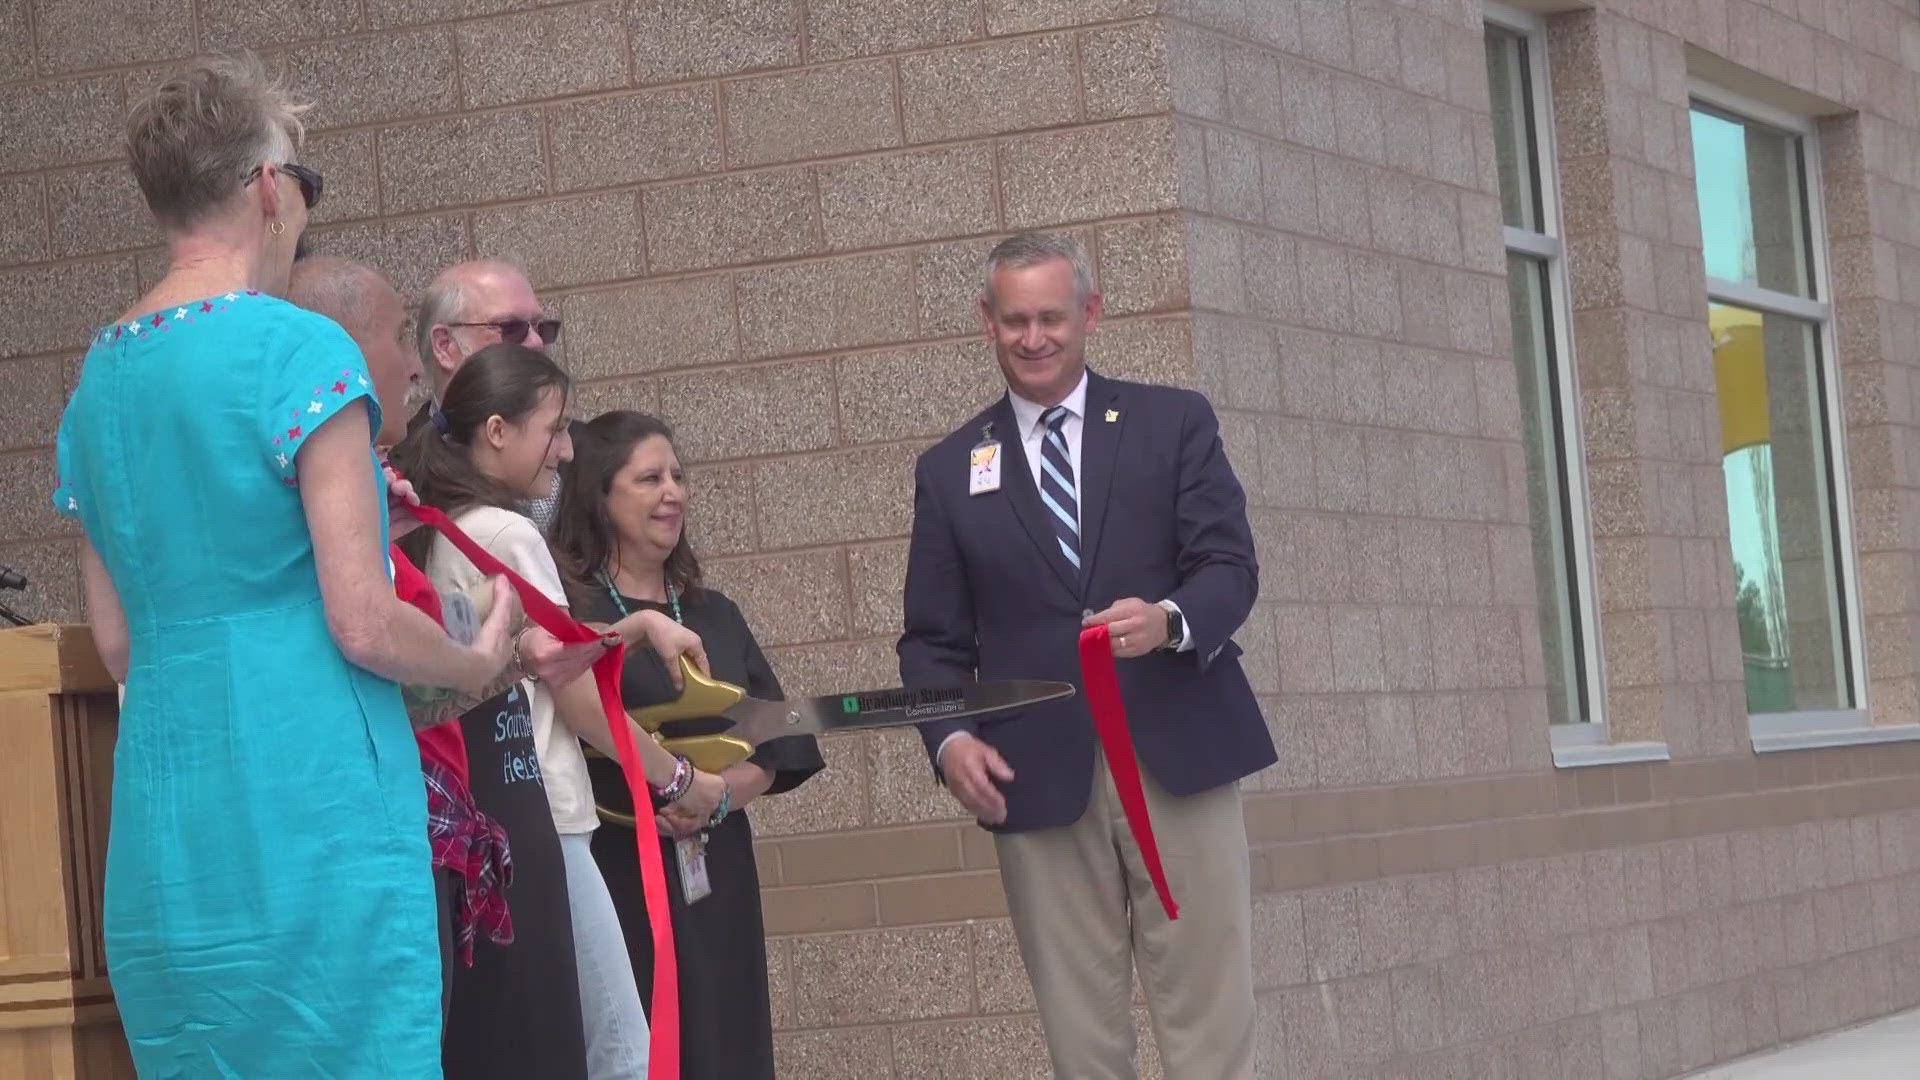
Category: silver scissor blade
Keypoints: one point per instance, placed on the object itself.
(757, 721)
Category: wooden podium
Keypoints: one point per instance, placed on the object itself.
(59, 712)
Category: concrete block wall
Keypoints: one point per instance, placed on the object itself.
(763, 219)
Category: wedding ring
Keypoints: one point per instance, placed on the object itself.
(1123, 641)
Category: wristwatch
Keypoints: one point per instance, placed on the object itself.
(1176, 626)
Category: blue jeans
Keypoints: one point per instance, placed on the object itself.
(610, 1007)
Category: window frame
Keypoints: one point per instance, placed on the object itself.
(1810, 728)
(1587, 740)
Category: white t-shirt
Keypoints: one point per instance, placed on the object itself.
(517, 542)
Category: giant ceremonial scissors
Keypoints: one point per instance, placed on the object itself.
(752, 721)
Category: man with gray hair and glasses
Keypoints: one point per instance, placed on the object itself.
(1078, 500)
(470, 306)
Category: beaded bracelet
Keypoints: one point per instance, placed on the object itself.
(682, 780)
(726, 807)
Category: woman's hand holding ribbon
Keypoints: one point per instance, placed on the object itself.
(668, 638)
(548, 659)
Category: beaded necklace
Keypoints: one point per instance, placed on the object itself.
(673, 598)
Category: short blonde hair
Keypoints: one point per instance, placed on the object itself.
(193, 140)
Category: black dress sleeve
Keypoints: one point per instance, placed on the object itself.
(794, 758)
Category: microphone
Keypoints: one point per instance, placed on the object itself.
(11, 579)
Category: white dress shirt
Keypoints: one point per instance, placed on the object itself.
(1033, 433)
(1027, 416)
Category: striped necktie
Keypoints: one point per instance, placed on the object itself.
(1056, 484)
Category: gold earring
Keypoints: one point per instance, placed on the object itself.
(278, 228)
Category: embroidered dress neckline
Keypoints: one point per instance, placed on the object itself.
(164, 319)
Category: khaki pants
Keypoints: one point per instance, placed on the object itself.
(1086, 915)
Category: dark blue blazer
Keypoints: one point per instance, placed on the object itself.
(990, 595)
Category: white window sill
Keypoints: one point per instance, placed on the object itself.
(1773, 732)
(1577, 746)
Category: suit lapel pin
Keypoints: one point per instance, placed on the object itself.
(1113, 415)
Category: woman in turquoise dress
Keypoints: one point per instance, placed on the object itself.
(269, 891)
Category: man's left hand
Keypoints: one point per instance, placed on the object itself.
(1137, 627)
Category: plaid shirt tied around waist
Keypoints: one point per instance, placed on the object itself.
(472, 844)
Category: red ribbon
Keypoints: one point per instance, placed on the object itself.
(1110, 722)
(664, 1060)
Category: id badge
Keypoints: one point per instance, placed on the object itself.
(983, 469)
(692, 855)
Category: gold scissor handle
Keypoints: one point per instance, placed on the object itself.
(709, 753)
(699, 696)
(615, 817)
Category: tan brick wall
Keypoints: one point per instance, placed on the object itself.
(763, 219)
(1438, 901)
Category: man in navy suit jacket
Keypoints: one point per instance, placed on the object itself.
(1078, 499)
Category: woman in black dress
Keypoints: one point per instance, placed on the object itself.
(619, 534)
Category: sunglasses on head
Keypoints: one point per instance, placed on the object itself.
(514, 331)
(311, 185)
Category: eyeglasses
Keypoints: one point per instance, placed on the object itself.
(514, 331)
(311, 184)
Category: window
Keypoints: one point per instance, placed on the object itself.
(1537, 301)
(1786, 502)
